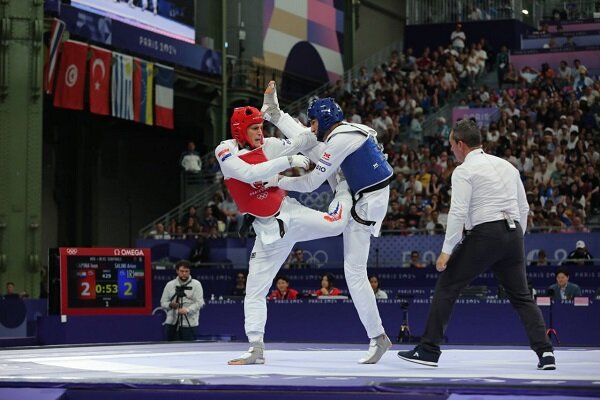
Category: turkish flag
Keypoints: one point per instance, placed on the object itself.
(70, 81)
(100, 80)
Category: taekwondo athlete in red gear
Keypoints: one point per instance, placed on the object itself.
(279, 221)
(354, 149)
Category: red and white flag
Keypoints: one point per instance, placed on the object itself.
(163, 106)
(70, 81)
(56, 34)
(100, 80)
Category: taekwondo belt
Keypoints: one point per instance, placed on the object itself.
(249, 219)
(373, 188)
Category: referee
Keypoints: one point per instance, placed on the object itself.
(489, 201)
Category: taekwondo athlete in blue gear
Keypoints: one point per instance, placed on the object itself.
(354, 149)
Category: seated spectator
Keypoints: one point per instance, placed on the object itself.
(580, 255)
(547, 72)
(379, 294)
(434, 227)
(173, 228)
(10, 290)
(211, 169)
(570, 43)
(511, 76)
(565, 73)
(563, 289)
(192, 228)
(193, 213)
(413, 216)
(551, 44)
(529, 74)
(416, 126)
(544, 29)
(415, 261)
(159, 232)
(283, 291)
(234, 218)
(394, 214)
(240, 285)
(582, 80)
(541, 261)
(209, 221)
(327, 288)
(213, 233)
(576, 225)
(190, 160)
(297, 260)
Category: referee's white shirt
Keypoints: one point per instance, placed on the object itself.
(483, 187)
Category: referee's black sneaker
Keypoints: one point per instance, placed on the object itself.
(547, 361)
(420, 356)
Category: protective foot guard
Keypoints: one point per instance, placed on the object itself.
(254, 355)
(377, 349)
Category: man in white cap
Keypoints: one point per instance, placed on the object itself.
(580, 255)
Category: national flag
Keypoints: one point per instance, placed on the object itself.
(143, 80)
(99, 80)
(224, 154)
(70, 81)
(56, 34)
(165, 77)
(122, 86)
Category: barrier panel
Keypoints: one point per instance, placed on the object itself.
(584, 38)
(386, 251)
(574, 25)
(334, 321)
(337, 321)
(407, 282)
(588, 55)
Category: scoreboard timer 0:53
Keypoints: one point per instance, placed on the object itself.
(105, 281)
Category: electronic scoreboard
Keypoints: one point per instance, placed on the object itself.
(105, 281)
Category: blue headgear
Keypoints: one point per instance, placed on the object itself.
(327, 112)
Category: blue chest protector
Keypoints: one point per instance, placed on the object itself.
(367, 167)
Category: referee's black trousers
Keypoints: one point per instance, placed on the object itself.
(488, 245)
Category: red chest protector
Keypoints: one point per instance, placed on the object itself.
(256, 201)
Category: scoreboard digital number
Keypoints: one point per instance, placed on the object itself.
(105, 281)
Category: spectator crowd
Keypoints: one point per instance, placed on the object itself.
(547, 127)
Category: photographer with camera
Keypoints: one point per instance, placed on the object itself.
(183, 298)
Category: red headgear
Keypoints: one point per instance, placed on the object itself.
(241, 119)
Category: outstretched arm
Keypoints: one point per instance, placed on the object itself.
(234, 167)
(335, 151)
(290, 127)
